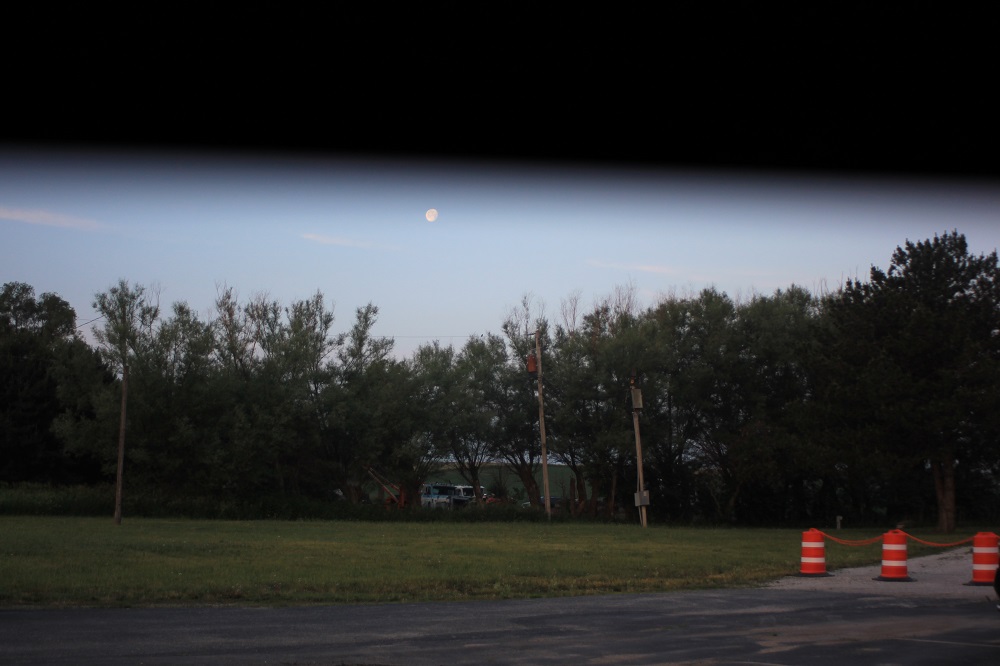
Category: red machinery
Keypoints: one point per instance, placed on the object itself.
(395, 495)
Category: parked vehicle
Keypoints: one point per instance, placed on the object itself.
(554, 502)
(470, 493)
(444, 496)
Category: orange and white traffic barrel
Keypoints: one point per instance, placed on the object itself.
(985, 558)
(894, 557)
(813, 554)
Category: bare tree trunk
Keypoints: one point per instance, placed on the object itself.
(531, 486)
(731, 502)
(944, 488)
(280, 477)
(525, 472)
(595, 492)
(611, 498)
(581, 493)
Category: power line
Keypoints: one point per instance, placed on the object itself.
(89, 322)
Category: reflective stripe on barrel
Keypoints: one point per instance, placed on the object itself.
(813, 554)
(985, 558)
(894, 556)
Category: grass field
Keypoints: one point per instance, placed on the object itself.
(73, 561)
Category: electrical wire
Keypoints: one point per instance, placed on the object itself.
(89, 322)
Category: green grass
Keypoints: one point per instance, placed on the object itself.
(81, 561)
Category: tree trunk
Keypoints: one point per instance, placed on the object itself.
(280, 477)
(581, 493)
(944, 488)
(731, 503)
(610, 504)
(534, 494)
(595, 492)
(524, 473)
(409, 493)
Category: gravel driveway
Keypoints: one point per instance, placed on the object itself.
(942, 575)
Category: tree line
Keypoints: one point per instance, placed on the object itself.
(877, 402)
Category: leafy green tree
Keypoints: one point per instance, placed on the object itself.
(38, 347)
(437, 391)
(129, 313)
(776, 336)
(517, 438)
(572, 407)
(707, 405)
(479, 369)
(732, 443)
(295, 370)
(370, 401)
(129, 316)
(174, 407)
(921, 339)
(276, 368)
(241, 471)
(49, 316)
(88, 394)
(234, 341)
(592, 368)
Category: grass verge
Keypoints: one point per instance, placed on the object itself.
(82, 561)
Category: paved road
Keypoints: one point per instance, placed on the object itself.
(760, 626)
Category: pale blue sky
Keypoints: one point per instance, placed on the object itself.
(356, 230)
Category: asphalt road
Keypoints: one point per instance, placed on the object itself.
(847, 618)
(764, 626)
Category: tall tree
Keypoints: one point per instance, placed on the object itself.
(708, 404)
(518, 431)
(479, 370)
(776, 338)
(370, 401)
(922, 339)
(175, 408)
(591, 370)
(37, 340)
(129, 316)
(308, 371)
(437, 391)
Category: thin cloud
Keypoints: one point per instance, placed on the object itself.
(640, 268)
(348, 242)
(48, 219)
(335, 240)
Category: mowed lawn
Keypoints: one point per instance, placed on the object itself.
(70, 561)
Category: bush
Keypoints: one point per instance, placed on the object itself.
(36, 499)
(41, 499)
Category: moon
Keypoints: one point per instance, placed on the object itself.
(431, 215)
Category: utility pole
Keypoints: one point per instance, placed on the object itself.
(642, 496)
(121, 448)
(541, 425)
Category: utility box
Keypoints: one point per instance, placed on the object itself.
(636, 398)
(642, 498)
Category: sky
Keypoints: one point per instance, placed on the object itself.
(358, 230)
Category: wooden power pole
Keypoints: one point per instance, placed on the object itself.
(541, 427)
(642, 496)
(121, 448)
